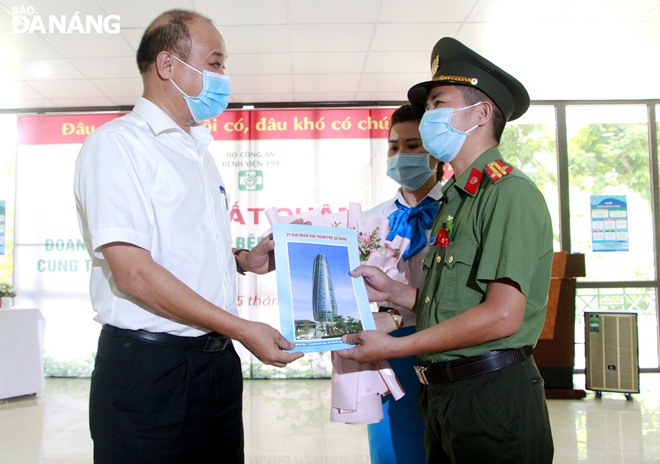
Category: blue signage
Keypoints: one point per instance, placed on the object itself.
(609, 223)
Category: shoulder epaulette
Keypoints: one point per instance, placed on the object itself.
(497, 169)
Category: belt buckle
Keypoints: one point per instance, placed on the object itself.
(421, 374)
(215, 343)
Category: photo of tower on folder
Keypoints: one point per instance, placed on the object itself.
(319, 300)
(324, 303)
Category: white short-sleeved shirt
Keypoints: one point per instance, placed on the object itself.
(413, 267)
(141, 179)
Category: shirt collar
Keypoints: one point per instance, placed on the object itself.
(160, 123)
(435, 193)
(492, 154)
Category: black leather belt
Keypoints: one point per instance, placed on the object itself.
(461, 369)
(210, 342)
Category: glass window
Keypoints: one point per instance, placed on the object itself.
(611, 216)
(608, 159)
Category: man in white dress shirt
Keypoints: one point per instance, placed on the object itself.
(152, 206)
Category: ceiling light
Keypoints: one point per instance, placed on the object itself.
(40, 70)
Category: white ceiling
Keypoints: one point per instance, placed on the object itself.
(340, 50)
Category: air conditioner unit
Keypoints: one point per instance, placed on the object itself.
(612, 362)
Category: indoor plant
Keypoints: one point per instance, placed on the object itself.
(7, 292)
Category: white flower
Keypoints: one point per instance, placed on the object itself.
(7, 290)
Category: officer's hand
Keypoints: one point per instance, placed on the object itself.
(371, 346)
(377, 282)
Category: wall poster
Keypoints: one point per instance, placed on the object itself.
(609, 223)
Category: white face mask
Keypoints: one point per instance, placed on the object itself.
(439, 137)
(212, 100)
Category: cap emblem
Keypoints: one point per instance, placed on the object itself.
(435, 65)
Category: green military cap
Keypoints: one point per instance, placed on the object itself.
(452, 63)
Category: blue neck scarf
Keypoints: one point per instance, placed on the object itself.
(411, 223)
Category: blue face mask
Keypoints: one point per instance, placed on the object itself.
(213, 98)
(439, 137)
(409, 170)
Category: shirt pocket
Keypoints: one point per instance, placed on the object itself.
(458, 288)
(430, 258)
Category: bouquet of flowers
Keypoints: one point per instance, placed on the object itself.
(375, 249)
(370, 243)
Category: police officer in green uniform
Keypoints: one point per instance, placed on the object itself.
(483, 302)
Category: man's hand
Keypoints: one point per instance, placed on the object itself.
(371, 346)
(384, 322)
(261, 258)
(266, 343)
(378, 283)
(380, 287)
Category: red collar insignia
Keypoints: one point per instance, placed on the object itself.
(472, 184)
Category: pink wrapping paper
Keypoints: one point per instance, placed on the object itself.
(357, 388)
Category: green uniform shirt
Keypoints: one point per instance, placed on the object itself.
(501, 229)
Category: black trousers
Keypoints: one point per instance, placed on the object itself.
(153, 403)
(499, 417)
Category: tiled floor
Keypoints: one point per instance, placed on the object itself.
(287, 421)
